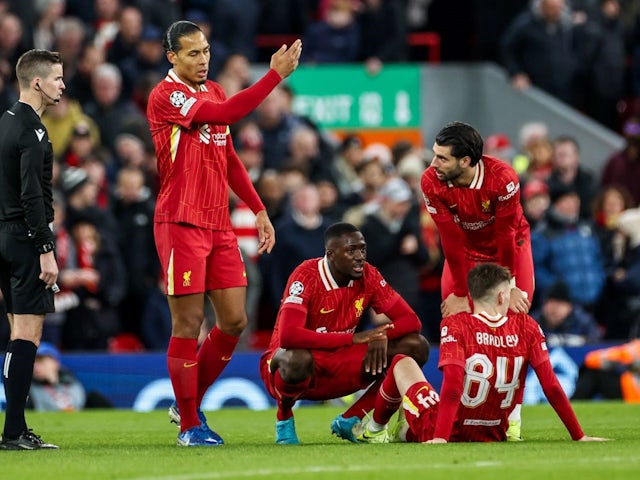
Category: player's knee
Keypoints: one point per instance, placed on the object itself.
(297, 367)
(233, 325)
(187, 324)
(417, 347)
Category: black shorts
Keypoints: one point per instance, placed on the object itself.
(23, 291)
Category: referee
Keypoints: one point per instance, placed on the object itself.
(28, 269)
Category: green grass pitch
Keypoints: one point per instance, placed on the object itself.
(121, 444)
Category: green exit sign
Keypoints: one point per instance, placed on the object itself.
(346, 96)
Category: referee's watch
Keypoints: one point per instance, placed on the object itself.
(46, 248)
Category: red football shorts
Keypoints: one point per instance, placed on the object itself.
(337, 373)
(196, 260)
(524, 267)
(420, 404)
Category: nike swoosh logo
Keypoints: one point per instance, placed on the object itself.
(325, 310)
(189, 365)
(226, 358)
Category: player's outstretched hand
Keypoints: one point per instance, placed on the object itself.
(587, 438)
(368, 336)
(286, 60)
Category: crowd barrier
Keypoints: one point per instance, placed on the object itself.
(140, 381)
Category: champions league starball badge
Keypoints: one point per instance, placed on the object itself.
(177, 98)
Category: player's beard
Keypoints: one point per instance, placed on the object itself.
(451, 176)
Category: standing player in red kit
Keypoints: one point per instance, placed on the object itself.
(315, 352)
(189, 119)
(474, 200)
(484, 358)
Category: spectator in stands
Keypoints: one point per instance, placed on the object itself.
(133, 208)
(160, 13)
(620, 307)
(603, 60)
(372, 175)
(344, 166)
(63, 120)
(609, 203)
(394, 240)
(48, 14)
(535, 201)
(71, 36)
(112, 113)
(55, 388)
(11, 31)
(563, 323)
(498, 145)
(536, 153)
(248, 143)
(567, 172)
(623, 167)
(383, 33)
(105, 22)
(276, 123)
(130, 25)
(81, 194)
(334, 38)
(330, 207)
(566, 248)
(235, 74)
(300, 236)
(304, 153)
(79, 84)
(235, 24)
(148, 58)
(80, 146)
(271, 189)
(538, 48)
(611, 373)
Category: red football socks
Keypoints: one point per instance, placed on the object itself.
(183, 372)
(288, 393)
(213, 356)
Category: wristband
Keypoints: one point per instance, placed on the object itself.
(46, 248)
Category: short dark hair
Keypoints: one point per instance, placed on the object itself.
(35, 63)
(464, 140)
(337, 230)
(567, 139)
(177, 30)
(483, 278)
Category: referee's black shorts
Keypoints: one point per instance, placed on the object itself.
(23, 291)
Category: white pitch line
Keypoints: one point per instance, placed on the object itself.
(263, 472)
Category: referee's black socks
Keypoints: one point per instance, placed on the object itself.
(17, 374)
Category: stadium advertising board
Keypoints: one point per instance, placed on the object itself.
(140, 381)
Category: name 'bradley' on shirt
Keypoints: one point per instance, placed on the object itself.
(496, 340)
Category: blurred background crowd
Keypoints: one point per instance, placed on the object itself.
(585, 223)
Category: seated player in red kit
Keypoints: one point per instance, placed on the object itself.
(315, 352)
(484, 357)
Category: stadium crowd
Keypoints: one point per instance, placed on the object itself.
(585, 224)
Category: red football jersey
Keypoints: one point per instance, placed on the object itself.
(495, 353)
(481, 210)
(192, 158)
(328, 307)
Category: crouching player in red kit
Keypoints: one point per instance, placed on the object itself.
(484, 358)
(314, 353)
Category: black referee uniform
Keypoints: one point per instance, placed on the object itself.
(26, 210)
